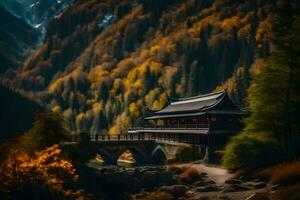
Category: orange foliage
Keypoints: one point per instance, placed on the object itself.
(228, 24)
(286, 173)
(186, 174)
(45, 168)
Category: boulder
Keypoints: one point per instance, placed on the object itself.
(140, 196)
(178, 190)
(199, 183)
(275, 187)
(228, 189)
(239, 187)
(203, 174)
(209, 182)
(259, 185)
(258, 196)
(208, 188)
(166, 189)
(175, 170)
(233, 181)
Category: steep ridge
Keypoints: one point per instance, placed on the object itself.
(16, 40)
(17, 113)
(36, 13)
(102, 62)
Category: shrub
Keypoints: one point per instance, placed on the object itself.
(186, 174)
(289, 192)
(250, 150)
(189, 175)
(282, 174)
(286, 174)
(46, 173)
(186, 154)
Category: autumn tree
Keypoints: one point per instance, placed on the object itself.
(49, 128)
(42, 175)
(193, 81)
(271, 132)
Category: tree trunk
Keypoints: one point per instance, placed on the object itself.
(287, 111)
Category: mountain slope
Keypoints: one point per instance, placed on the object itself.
(17, 113)
(16, 39)
(36, 13)
(103, 62)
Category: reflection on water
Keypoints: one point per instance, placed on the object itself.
(98, 164)
(125, 160)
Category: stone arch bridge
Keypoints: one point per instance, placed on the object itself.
(150, 149)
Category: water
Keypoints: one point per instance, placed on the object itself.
(99, 164)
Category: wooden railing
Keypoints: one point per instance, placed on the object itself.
(168, 137)
(172, 127)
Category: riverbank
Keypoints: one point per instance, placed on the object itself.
(188, 181)
(211, 182)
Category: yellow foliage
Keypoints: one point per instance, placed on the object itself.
(158, 104)
(56, 109)
(263, 31)
(133, 109)
(97, 107)
(151, 96)
(113, 131)
(256, 67)
(229, 23)
(117, 84)
(121, 124)
(132, 75)
(138, 84)
(154, 49)
(155, 67)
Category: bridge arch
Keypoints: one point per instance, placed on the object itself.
(107, 157)
(138, 154)
(159, 155)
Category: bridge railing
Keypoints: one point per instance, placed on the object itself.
(172, 127)
(86, 138)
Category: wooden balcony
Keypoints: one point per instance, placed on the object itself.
(172, 127)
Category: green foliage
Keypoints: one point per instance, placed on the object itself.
(17, 113)
(49, 128)
(250, 150)
(186, 154)
(272, 130)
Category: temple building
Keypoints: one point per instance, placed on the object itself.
(214, 111)
(207, 120)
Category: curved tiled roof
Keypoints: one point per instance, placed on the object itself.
(191, 104)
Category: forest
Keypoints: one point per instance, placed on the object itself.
(99, 65)
(102, 61)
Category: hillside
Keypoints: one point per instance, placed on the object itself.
(103, 62)
(36, 13)
(16, 40)
(17, 113)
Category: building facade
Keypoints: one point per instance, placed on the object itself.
(206, 120)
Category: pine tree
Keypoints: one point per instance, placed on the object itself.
(103, 93)
(271, 132)
(193, 82)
